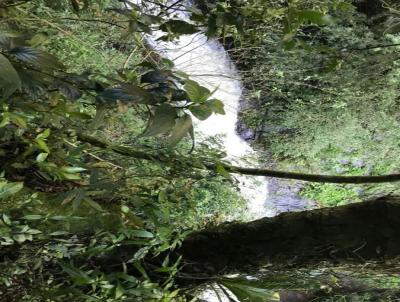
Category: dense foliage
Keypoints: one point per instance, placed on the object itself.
(329, 98)
(100, 176)
(70, 69)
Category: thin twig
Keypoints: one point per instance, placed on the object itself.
(94, 156)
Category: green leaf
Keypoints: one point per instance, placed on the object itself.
(8, 189)
(32, 217)
(155, 76)
(141, 253)
(217, 106)
(20, 238)
(142, 234)
(70, 176)
(247, 293)
(71, 92)
(18, 119)
(222, 171)
(77, 275)
(314, 17)
(41, 157)
(36, 57)
(5, 119)
(73, 169)
(119, 291)
(59, 233)
(93, 204)
(42, 145)
(128, 93)
(44, 134)
(6, 219)
(202, 111)
(9, 78)
(196, 93)
(183, 126)
(178, 27)
(162, 121)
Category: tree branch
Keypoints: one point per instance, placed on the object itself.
(212, 166)
(15, 4)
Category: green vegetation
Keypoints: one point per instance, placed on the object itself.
(327, 104)
(81, 221)
(67, 207)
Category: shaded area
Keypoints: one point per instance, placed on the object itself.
(356, 232)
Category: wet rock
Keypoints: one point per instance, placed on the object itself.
(358, 163)
(247, 134)
(378, 137)
(359, 191)
(278, 129)
(284, 197)
(351, 150)
(344, 161)
(339, 170)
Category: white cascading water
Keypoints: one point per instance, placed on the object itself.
(206, 62)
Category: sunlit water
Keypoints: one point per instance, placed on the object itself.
(206, 62)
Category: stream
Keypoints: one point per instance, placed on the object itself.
(206, 61)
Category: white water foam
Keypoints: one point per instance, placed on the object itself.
(206, 62)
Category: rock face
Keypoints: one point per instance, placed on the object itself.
(284, 197)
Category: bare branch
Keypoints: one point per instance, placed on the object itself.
(212, 166)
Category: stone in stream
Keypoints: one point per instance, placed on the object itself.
(284, 197)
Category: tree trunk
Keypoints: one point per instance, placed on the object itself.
(357, 232)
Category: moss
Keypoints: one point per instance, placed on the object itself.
(330, 194)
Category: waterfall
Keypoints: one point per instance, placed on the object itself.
(207, 62)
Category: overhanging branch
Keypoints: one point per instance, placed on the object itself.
(212, 166)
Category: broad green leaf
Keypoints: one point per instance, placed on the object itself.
(182, 127)
(8, 189)
(36, 57)
(196, 93)
(201, 111)
(128, 93)
(9, 78)
(162, 121)
(178, 27)
(20, 238)
(216, 106)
